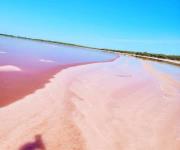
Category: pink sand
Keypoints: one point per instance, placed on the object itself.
(104, 106)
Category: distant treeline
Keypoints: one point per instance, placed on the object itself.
(162, 56)
(47, 41)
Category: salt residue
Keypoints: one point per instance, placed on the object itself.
(3, 52)
(9, 68)
(46, 60)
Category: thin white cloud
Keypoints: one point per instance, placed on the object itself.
(9, 68)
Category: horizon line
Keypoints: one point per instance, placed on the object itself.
(79, 45)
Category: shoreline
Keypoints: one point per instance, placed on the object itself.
(26, 66)
(173, 62)
(26, 90)
(130, 53)
(168, 61)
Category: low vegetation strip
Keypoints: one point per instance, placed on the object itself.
(162, 56)
(43, 40)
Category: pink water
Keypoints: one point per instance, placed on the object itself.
(38, 62)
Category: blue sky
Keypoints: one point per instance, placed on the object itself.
(144, 25)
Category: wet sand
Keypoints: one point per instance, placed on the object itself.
(125, 104)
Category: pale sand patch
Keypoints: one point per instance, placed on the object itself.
(46, 61)
(9, 68)
(95, 107)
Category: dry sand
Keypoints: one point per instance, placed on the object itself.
(126, 104)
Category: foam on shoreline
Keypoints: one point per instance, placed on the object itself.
(9, 68)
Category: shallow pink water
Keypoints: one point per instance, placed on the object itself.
(38, 63)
